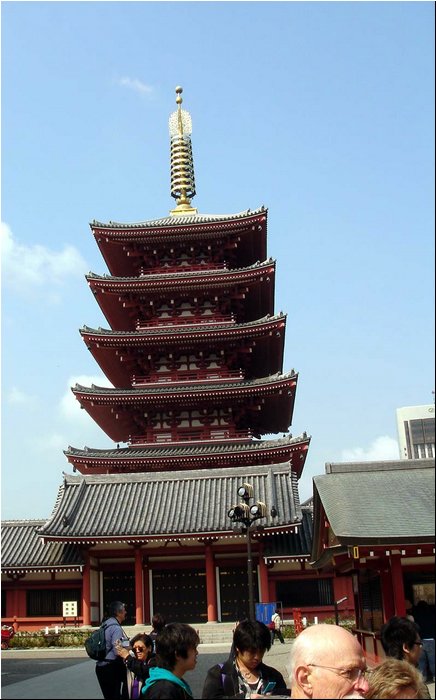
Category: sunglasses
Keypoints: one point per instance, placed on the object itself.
(139, 649)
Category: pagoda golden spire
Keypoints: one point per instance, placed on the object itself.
(182, 163)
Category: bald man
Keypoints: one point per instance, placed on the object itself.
(327, 662)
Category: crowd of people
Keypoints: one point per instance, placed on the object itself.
(326, 661)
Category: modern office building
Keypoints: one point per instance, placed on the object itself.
(416, 432)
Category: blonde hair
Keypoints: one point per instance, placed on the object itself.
(391, 676)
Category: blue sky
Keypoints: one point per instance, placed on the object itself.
(323, 112)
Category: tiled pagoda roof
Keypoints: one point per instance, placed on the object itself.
(177, 222)
(158, 457)
(181, 279)
(24, 551)
(199, 329)
(188, 504)
(173, 390)
(169, 450)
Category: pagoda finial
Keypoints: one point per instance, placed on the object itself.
(182, 163)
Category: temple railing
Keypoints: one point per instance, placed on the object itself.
(179, 436)
(188, 375)
(181, 267)
(179, 320)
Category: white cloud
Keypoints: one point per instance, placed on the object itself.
(136, 85)
(16, 397)
(69, 405)
(382, 448)
(27, 268)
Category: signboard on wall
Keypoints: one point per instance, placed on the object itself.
(69, 608)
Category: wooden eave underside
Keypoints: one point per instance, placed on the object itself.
(158, 458)
(120, 413)
(259, 344)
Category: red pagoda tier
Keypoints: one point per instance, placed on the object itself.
(215, 242)
(183, 353)
(179, 298)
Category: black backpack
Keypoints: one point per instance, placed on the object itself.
(95, 645)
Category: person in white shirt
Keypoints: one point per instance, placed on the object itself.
(276, 631)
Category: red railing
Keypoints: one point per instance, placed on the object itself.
(174, 436)
(192, 319)
(188, 375)
(181, 267)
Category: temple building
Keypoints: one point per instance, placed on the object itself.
(384, 540)
(200, 404)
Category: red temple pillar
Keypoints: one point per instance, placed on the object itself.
(263, 576)
(397, 584)
(387, 595)
(146, 585)
(210, 585)
(139, 604)
(86, 590)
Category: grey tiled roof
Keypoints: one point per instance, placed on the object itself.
(177, 221)
(175, 389)
(151, 280)
(172, 504)
(187, 330)
(23, 549)
(126, 453)
(379, 502)
(292, 544)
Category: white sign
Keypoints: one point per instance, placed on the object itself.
(69, 608)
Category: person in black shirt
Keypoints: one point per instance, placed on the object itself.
(244, 674)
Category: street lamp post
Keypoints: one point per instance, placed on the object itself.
(247, 515)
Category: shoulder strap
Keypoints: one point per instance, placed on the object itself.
(223, 675)
(112, 624)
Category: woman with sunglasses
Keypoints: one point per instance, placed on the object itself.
(138, 661)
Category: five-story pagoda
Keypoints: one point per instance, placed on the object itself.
(194, 351)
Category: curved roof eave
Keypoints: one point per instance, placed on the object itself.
(186, 329)
(179, 221)
(168, 451)
(247, 384)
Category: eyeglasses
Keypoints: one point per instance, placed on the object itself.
(351, 674)
(418, 644)
(138, 648)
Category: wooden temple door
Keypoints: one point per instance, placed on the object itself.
(120, 586)
(180, 595)
(234, 592)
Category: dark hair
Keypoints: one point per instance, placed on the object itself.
(176, 639)
(396, 632)
(158, 622)
(250, 635)
(144, 638)
(115, 608)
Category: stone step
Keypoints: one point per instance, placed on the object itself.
(213, 633)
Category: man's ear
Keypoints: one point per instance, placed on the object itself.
(406, 651)
(302, 679)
